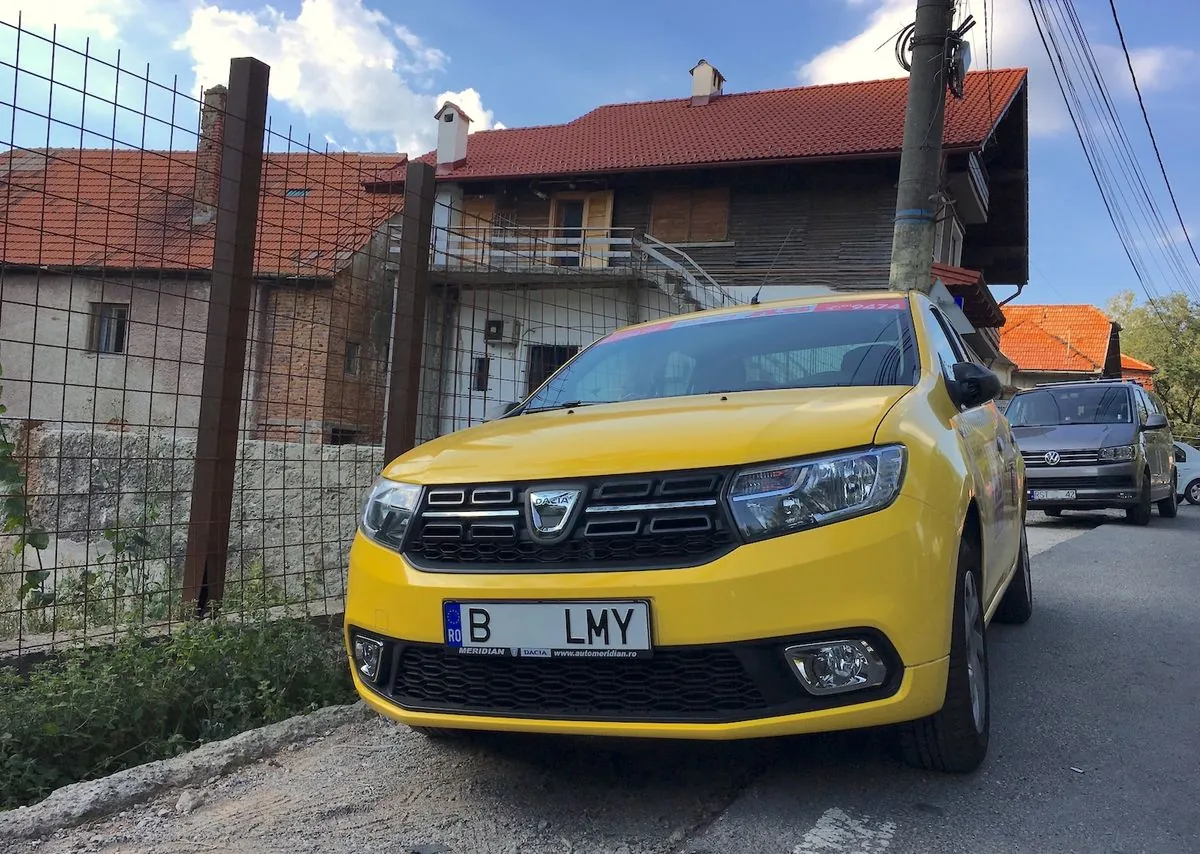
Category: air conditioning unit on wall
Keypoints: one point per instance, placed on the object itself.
(499, 331)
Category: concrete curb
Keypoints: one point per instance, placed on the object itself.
(77, 803)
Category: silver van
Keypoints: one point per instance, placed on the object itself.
(1095, 444)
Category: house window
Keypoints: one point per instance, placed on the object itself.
(109, 327)
(343, 436)
(353, 354)
(690, 216)
(483, 366)
(545, 359)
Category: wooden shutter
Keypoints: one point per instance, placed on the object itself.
(597, 222)
(710, 215)
(671, 215)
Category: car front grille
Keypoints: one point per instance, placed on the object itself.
(630, 522)
(1101, 482)
(1035, 459)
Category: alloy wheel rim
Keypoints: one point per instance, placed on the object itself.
(1194, 491)
(973, 627)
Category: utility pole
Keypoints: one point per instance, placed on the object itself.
(921, 157)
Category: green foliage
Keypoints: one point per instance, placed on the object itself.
(93, 711)
(15, 519)
(1166, 333)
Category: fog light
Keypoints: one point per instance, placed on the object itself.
(833, 667)
(367, 655)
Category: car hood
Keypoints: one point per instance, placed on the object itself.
(1074, 437)
(652, 435)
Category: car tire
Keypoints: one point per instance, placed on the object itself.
(1140, 514)
(1053, 512)
(1017, 605)
(1168, 508)
(955, 738)
(1192, 493)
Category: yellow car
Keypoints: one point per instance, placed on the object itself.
(771, 519)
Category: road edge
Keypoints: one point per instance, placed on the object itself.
(78, 803)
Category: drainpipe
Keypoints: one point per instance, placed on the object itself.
(1013, 297)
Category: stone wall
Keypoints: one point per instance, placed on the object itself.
(295, 506)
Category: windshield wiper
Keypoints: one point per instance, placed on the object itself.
(570, 404)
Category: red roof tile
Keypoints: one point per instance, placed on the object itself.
(131, 209)
(839, 120)
(1056, 337)
(1128, 363)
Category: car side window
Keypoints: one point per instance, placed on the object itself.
(1142, 403)
(1180, 455)
(944, 345)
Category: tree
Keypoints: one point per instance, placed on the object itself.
(1166, 333)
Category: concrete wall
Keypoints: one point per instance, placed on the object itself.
(295, 507)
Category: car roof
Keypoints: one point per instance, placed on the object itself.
(1078, 384)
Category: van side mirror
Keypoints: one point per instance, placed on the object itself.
(1155, 421)
(973, 384)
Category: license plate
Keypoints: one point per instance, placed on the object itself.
(1052, 494)
(548, 629)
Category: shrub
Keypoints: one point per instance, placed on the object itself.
(93, 711)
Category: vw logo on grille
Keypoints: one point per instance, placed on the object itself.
(550, 511)
(1053, 458)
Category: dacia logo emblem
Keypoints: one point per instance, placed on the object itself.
(551, 511)
(1052, 458)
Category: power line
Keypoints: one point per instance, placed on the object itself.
(1153, 141)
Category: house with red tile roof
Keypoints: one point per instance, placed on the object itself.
(1060, 343)
(713, 197)
(1140, 372)
(106, 261)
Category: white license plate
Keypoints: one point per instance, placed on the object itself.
(1052, 494)
(548, 629)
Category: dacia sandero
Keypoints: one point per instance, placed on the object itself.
(792, 517)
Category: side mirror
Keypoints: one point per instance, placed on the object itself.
(1155, 421)
(973, 384)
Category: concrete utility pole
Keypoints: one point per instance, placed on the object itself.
(921, 157)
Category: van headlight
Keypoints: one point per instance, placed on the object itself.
(1121, 453)
(389, 507)
(783, 498)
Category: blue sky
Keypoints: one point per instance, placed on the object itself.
(368, 74)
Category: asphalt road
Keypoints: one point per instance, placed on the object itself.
(1095, 748)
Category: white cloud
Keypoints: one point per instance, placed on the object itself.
(1014, 43)
(102, 17)
(335, 58)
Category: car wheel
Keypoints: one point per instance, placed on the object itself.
(955, 738)
(1017, 605)
(1053, 511)
(1192, 493)
(1140, 514)
(1168, 508)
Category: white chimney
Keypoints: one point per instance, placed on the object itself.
(706, 83)
(453, 125)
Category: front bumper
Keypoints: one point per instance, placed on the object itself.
(1094, 487)
(718, 632)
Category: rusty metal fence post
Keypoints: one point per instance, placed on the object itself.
(408, 332)
(228, 326)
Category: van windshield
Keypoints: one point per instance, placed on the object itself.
(855, 343)
(1055, 407)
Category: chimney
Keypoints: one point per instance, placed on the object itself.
(706, 83)
(208, 154)
(453, 125)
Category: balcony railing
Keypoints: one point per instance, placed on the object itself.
(529, 248)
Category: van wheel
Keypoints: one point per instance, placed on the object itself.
(1168, 508)
(1017, 605)
(1192, 493)
(1140, 514)
(955, 738)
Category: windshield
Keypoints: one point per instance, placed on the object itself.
(858, 343)
(1055, 407)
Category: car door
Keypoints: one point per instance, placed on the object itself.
(978, 428)
(1163, 443)
(1152, 443)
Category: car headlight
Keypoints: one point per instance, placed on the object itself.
(786, 497)
(388, 509)
(1120, 453)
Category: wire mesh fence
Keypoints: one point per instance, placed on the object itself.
(210, 344)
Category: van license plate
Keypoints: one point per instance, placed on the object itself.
(1052, 494)
(548, 629)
